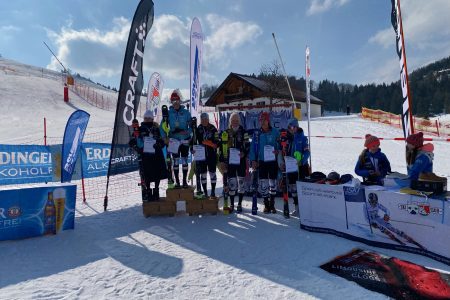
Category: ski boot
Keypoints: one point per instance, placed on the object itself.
(156, 194)
(272, 206)
(295, 212)
(266, 206)
(239, 209)
(170, 184)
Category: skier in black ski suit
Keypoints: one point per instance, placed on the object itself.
(149, 145)
(207, 136)
(233, 175)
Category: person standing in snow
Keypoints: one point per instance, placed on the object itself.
(233, 174)
(149, 145)
(268, 166)
(372, 164)
(419, 157)
(180, 130)
(207, 136)
(299, 149)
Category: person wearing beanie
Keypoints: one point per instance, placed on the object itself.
(233, 175)
(149, 145)
(180, 130)
(268, 168)
(298, 148)
(372, 164)
(207, 135)
(419, 156)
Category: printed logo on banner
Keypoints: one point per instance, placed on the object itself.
(10, 217)
(420, 208)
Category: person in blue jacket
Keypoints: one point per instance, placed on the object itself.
(180, 130)
(419, 157)
(298, 148)
(372, 164)
(268, 166)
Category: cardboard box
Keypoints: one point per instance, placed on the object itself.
(194, 207)
(159, 208)
(172, 194)
(186, 194)
(210, 205)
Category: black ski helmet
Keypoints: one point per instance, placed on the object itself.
(373, 199)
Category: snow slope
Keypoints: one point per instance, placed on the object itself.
(119, 254)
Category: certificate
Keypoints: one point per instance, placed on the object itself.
(235, 157)
(268, 153)
(291, 164)
(174, 144)
(148, 145)
(199, 154)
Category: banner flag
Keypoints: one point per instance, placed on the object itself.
(154, 91)
(396, 20)
(308, 98)
(123, 159)
(73, 137)
(196, 65)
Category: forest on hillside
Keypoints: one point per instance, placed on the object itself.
(429, 87)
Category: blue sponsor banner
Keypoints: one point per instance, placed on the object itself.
(95, 159)
(73, 137)
(30, 212)
(25, 164)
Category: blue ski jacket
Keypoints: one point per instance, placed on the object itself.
(423, 162)
(300, 144)
(369, 163)
(265, 138)
(179, 123)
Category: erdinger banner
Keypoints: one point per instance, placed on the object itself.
(26, 164)
(154, 90)
(391, 276)
(95, 159)
(382, 218)
(29, 212)
(122, 158)
(196, 65)
(73, 137)
(396, 20)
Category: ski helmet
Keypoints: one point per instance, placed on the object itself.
(373, 199)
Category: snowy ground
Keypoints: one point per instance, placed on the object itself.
(119, 254)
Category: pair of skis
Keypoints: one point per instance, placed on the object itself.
(284, 141)
(166, 128)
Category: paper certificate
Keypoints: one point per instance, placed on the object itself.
(148, 145)
(291, 164)
(199, 154)
(235, 158)
(174, 144)
(268, 153)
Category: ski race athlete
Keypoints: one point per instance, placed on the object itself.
(419, 157)
(299, 149)
(371, 210)
(372, 164)
(180, 131)
(149, 145)
(267, 166)
(207, 135)
(235, 137)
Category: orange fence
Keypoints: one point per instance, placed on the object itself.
(435, 127)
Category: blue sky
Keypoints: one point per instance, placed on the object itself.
(350, 40)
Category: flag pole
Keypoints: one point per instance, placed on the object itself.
(284, 70)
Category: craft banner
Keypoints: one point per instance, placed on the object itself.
(122, 158)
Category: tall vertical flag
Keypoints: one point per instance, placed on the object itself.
(154, 90)
(196, 65)
(122, 158)
(396, 20)
(73, 137)
(308, 97)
